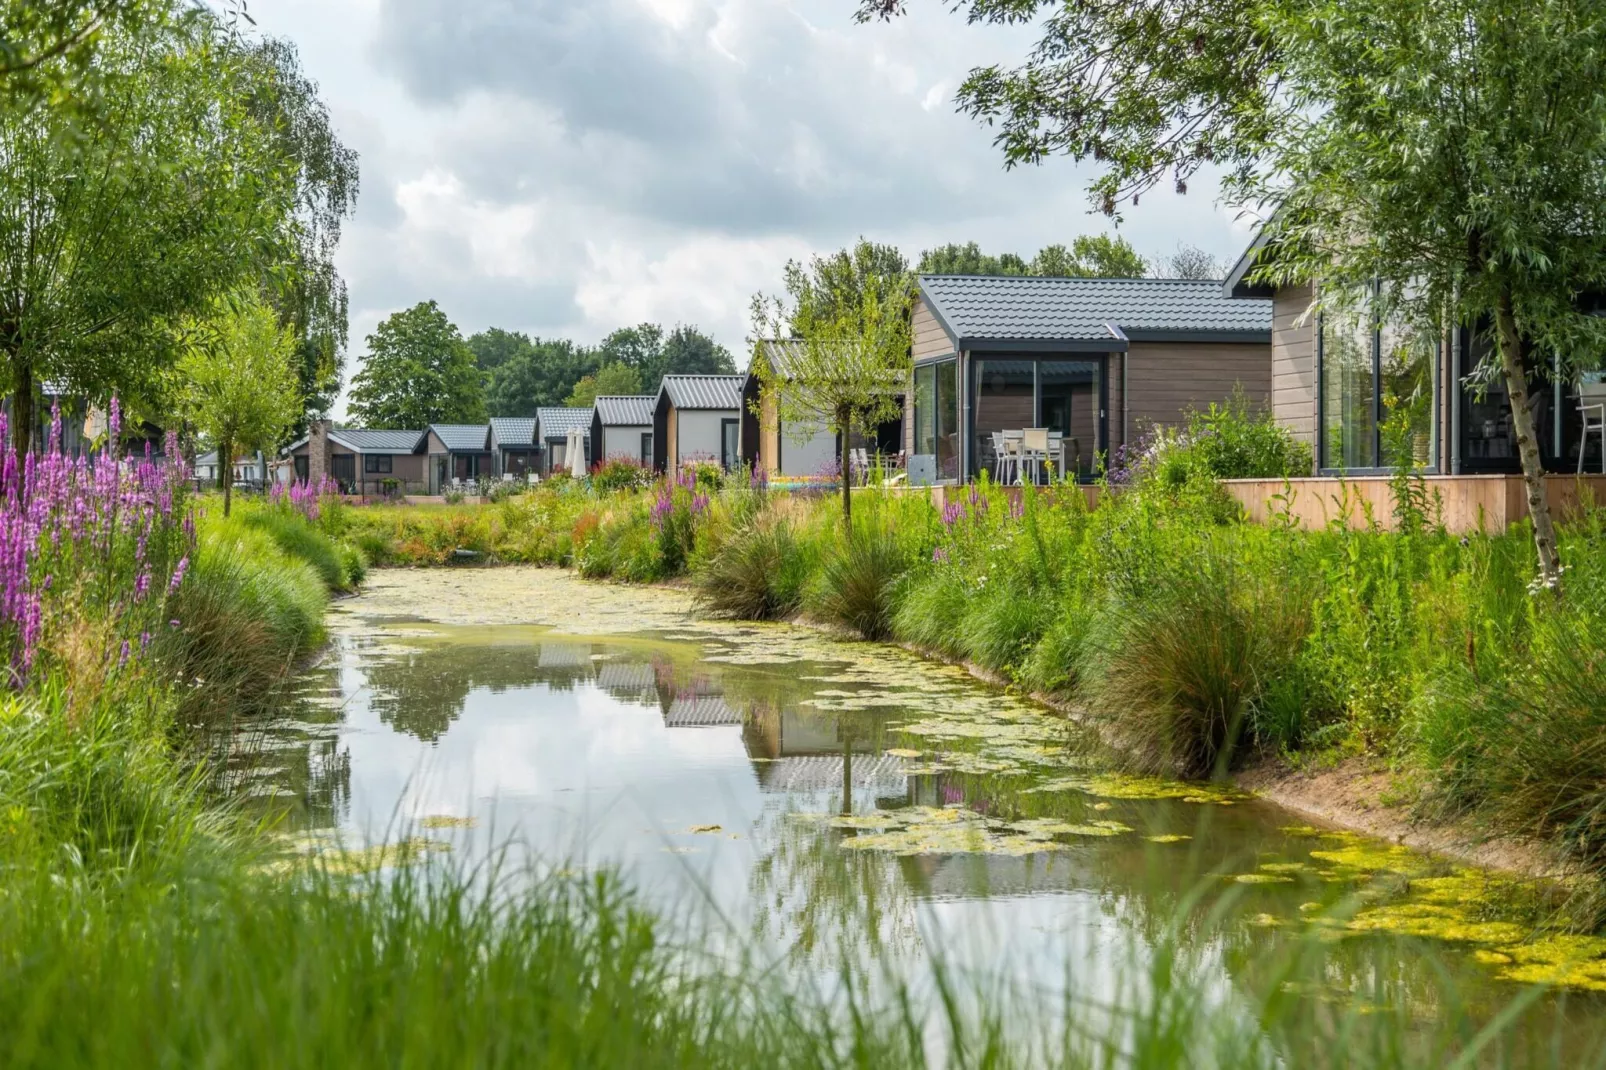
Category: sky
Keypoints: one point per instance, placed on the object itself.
(566, 167)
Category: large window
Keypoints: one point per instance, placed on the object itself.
(376, 464)
(1379, 393)
(730, 453)
(1064, 396)
(937, 416)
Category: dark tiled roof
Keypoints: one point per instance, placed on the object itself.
(513, 430)
(624, 410)
(376, 441)
(557, 422)
(704, 391)
(461, 438)
(979, 309)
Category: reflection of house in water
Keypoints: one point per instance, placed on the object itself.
(701, 711)
(629, 681)
(805, 751)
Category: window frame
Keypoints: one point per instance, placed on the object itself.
(377, 464)
(1324, 466)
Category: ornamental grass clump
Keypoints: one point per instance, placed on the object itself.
(89, 538)
(757, 573)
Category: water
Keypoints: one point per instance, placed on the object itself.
(730, 769)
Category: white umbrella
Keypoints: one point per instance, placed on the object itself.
(575, 451)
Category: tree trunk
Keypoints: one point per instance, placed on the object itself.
(1522, 419)
(843, 421)
(22, 411)
(225, 473)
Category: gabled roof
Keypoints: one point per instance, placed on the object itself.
(359, 440)
(1028, 313)
(703, 391)
(625, 410)
(462, 438)
(362, 441)
(558, 421)
(513, 430)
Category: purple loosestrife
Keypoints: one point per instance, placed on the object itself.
(87, 539)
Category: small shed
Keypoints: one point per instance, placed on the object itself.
(514, 448)
(555, 423)
(697, 418)
(621, 426)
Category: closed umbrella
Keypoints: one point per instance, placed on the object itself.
(576, 452)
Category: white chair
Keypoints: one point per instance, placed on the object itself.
(1034, 450)
(1056, 451)
(1012, 455)
(1592, 407)
(999, 457)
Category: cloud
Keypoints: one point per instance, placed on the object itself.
(567, 167)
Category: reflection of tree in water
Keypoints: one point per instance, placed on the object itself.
(289, 765)
(423, 691)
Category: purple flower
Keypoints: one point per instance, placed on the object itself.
(939, 556)
(179, 570)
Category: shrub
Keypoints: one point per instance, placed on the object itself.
(293, 534)
(1053, 665)
(247, 612)
(1180, 670)
(856, 582)
(930, 608)
(758, 573)
(1002, 624)
(620, 474)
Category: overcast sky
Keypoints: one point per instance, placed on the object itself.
(565, 167)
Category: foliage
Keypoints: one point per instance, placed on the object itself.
(418, 372)
(758, 573)
(236, 382)
(524, 374)
(1190, 262)
(850, 358)
(1225, 441)
(1090, 255)
(611, 380)
(108, 240)
(654, 354)
(620, 473)
(834, 289)
(306, 287)
(101, 538)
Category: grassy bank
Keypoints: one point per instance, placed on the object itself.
(1201, 641)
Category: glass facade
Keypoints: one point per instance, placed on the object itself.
(1380, 393)
(1064, 396)
(937, 416)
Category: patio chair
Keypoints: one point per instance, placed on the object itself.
(1000, 457)
(1034, 450)
(1012, 456)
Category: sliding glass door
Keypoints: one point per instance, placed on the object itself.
(936, 437)
(1064, 396)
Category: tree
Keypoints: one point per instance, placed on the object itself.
(237, 380)
(654, 354)
(419, 372)
(610, 380)
(1190, 262)
(968, 259)
(48, 48)
(1436, 161)
(1090, 256)
(846, 364)
(306, 287)
(832, 288)
(526, 374)
(107, 241)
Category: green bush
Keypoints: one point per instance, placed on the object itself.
(758, 573)
(856, 583)
(296, 536)
(1179, 671)
(247, 612)
(929, 610)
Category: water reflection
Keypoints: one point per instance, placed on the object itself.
(696, 775)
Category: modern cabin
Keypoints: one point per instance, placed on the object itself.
(458, 453)
(621, 426)
(697, 418)
(515, 450)
(368, 462)
(1091, 361)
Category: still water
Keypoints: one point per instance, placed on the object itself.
(850, 803)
